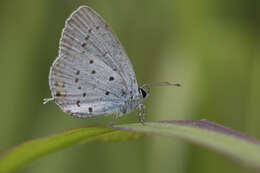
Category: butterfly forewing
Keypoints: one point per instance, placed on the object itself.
(92, 74)
(96, 36)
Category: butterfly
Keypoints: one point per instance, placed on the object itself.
(92, 74)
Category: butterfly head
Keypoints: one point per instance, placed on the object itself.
(144, 92)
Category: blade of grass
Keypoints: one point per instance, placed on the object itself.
(231, 143)
(29, 151)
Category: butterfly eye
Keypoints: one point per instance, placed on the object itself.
(142, 92)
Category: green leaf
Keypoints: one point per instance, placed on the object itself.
(233, 144)
(31, 150)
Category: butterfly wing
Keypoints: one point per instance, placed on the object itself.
(92, 74)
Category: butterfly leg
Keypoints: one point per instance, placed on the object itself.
(47, 100)
(141, 113)
(115, 117)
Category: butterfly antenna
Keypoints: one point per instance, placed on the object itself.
(46, 100)
(155, 84)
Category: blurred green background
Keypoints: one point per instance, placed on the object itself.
(212, 47)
